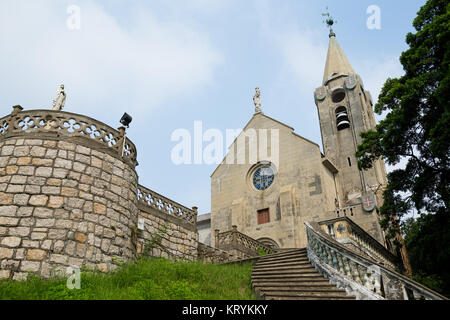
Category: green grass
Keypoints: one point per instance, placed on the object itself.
(148, 279)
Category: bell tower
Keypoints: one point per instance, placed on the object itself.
(345, 111)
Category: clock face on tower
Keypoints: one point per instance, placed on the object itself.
(263, 178)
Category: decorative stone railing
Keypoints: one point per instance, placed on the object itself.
(164, 205)
(240, 244)
(66, 124)
(348, 233)
(358, 275)
(214, 255)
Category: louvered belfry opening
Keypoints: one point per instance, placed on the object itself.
(342, 120)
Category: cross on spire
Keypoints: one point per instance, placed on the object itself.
(329, 21)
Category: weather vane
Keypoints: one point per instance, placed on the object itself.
(329, 21)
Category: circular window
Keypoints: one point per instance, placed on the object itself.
(338, 95)
(263, 177)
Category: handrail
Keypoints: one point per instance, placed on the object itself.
(162, 204)
(61, 123)
(358, 275)
(233, 239)
(366, 243)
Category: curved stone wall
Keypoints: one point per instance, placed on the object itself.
(63, 202)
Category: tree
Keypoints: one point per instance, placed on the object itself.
(417, 128)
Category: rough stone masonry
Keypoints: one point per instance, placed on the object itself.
(66, 203)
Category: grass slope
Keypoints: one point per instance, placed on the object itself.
(148, 279)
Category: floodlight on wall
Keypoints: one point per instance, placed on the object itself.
(126, 120)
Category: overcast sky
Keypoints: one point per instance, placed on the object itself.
(169, 63)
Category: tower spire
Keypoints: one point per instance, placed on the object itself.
(337, 62)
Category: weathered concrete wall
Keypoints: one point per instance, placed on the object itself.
(179, 238)
(63, 203)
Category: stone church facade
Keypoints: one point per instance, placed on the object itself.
(271, 200)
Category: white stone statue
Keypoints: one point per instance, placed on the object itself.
(60, 99)
(257, 101)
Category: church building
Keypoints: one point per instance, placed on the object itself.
(286, 180)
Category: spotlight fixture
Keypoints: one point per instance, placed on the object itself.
(126, 120)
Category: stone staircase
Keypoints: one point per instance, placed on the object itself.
(288, 275)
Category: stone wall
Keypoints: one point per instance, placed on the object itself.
(63, 203)
(179, 238)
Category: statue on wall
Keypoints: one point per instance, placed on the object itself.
(257, 101)
(60, 99)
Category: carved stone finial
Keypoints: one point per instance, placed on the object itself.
(16, 110)
(60, 99)
(257, 101)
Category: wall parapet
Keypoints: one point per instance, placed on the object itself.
(239, 243)
(57, 124)
(152, 200)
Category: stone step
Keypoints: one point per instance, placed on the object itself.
(282, 266)
(283, 262)
(286, 249)
(306, 297)
(293, 276)
(290, 270)
(283, 253)
(293, 284)
(292, 255)
(302, 291)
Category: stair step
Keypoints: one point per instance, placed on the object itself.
(283, 267)
(283, 262)
(289, 282)
(282, 258)
(287, 252)
(295, 276)
(282, 254)
(291, 270)
(293, 285)
(302, 291)
(306, 297)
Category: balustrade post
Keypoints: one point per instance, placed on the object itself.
(323, 253)
(356, 275)
(121, 141)
(347, 267)
(195, 211)
(340, 263)
(335, 260)
(365, 279)
(330, 259)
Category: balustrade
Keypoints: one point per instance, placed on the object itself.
(162, 204)
(235, 240)
(60, 123)
(357, 274)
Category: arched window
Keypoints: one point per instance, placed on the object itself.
(342, 119)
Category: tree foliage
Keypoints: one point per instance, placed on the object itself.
(417, 129)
